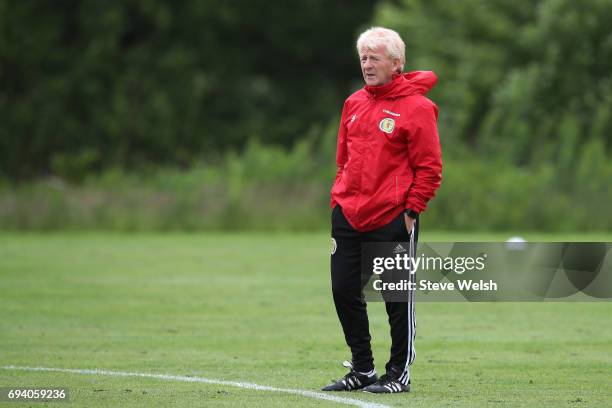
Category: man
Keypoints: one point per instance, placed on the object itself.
(389, 167)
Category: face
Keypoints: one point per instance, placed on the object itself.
(377, 66)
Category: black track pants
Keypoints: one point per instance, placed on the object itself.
(348, 295)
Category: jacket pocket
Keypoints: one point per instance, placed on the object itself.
(402, 184)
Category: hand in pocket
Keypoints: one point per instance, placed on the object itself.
(409, 221)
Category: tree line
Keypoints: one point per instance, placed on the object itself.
(89, 85)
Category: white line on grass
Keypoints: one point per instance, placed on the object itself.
(169, 377)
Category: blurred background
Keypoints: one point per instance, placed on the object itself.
(222, 115)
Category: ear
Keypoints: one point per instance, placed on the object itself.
(397, 66)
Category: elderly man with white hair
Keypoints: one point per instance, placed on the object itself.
(389, 167)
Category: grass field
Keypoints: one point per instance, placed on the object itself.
(257, 308)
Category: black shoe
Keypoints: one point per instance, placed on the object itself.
(352, 381)
(389, 383)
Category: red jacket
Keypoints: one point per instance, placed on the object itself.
(388, 153)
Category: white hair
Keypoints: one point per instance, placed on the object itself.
(377, 36)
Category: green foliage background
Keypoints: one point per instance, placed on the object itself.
(91, 84)
(222, 115)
